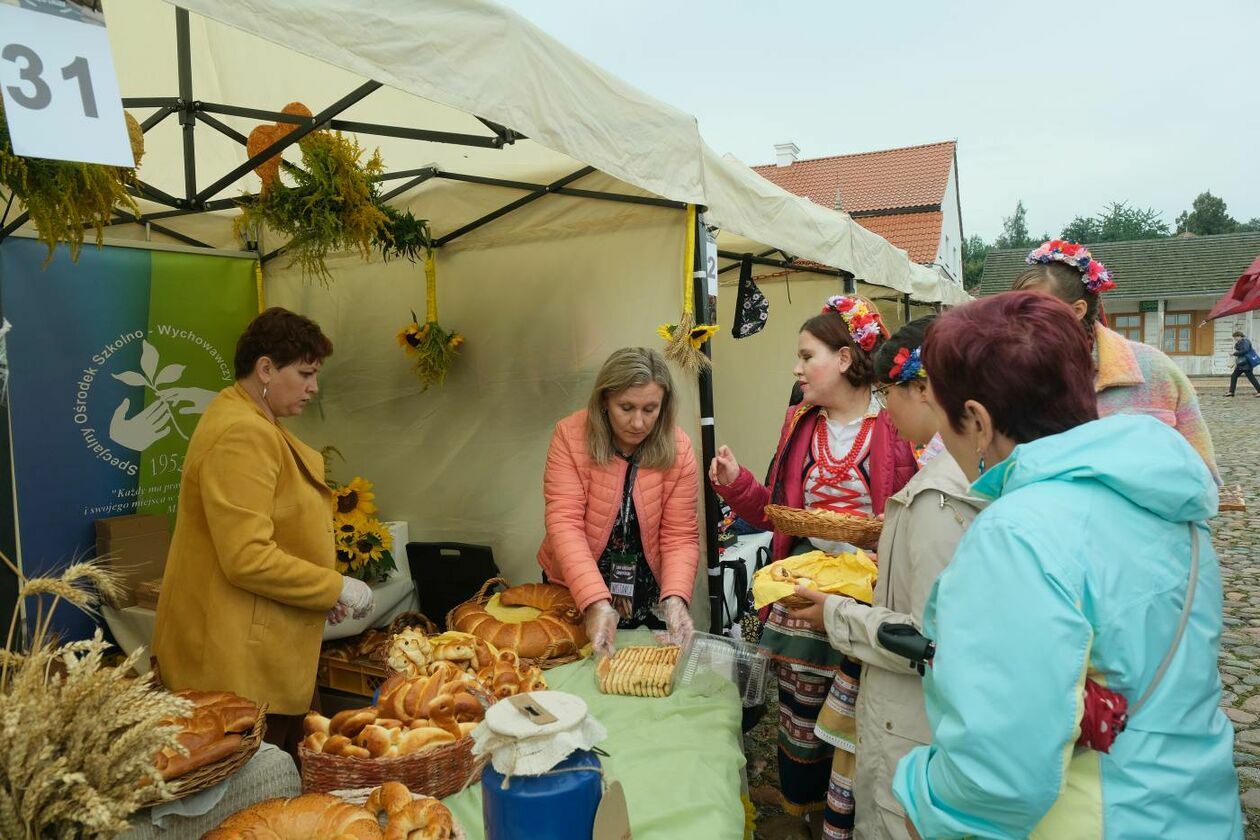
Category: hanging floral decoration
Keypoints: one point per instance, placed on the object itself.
(684, 339)
(431, 347)
(333, 204)
(65, 198)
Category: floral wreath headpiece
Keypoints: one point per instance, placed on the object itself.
(1093, 273)
(907, 365)
(863, 322)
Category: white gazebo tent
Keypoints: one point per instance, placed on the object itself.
(555, 192)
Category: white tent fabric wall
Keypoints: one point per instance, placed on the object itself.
(464, 461)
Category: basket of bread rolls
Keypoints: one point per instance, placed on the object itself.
(220, 735)
(417, 733)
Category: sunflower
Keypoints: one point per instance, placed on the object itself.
(345, 557)
(355, 498)
(454, 341)
(370, 546)
(346, 526)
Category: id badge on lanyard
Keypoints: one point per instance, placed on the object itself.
(624, 563)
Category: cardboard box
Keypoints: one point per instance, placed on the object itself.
(147, 594)
(135, 546)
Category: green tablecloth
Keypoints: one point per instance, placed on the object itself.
(678, 758)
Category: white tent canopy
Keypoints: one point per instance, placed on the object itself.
(444, 64)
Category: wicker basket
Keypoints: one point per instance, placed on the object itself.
(439, 772)
(547, 661)
(211, 774)
(862, 531)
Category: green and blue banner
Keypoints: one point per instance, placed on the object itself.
(112, 361)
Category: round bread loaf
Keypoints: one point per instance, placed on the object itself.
(300, 818)
(557, 631)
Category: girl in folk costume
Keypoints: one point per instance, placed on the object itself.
(838, 451)
(923, 523)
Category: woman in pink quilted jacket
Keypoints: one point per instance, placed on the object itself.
(620, 488)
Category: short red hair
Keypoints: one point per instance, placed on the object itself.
(1024, 356)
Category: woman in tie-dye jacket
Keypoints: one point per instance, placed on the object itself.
(1130, 377)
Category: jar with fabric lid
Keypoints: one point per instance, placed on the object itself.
(544, 780)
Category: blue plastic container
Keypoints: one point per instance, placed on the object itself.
(558, 806)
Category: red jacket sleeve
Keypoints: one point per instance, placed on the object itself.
(748, 497)
(565, 519)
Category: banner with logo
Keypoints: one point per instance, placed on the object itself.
(112, 360)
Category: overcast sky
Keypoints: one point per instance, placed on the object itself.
(1065, 105)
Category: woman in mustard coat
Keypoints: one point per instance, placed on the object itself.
(251, 576)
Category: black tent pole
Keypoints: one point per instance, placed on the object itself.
(706, 313)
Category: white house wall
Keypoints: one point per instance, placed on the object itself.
(949, 249)
(1221, 362)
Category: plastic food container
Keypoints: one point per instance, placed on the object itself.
(740, 662)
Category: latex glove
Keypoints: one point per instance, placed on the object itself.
(723, 469)
(678, 624)
(600, 620)
(356, 596)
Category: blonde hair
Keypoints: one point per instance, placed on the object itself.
(631, 367)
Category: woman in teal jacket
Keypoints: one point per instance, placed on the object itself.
(1079, 568)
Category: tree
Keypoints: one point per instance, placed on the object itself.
(974, 250)
(1252, 226)
(1207, 216)
(1117, 223)
(1081, 229)
(1015, 230)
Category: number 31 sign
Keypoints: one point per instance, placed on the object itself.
(61, 96)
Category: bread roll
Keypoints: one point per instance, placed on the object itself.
(421, 819)
(424, 738)
(304, 817)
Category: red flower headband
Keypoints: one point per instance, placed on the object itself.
(863, 322)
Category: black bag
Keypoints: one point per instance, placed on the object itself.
(447, 574)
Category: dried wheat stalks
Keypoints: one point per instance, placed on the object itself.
(80, 736)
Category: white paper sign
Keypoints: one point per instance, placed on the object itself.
(61, 96)
(710, 263)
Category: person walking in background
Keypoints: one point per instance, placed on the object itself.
(1245, 361)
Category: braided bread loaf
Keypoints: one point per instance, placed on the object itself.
(557, 631)
(300, 818)
(209, 734)
(410, 819)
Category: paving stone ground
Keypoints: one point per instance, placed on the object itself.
(1235, 426)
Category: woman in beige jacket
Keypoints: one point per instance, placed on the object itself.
(923, 524)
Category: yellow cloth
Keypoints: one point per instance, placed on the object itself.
(843, 574)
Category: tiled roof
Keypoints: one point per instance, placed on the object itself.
(918, 233)
(894, 178)
(1150, 268)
